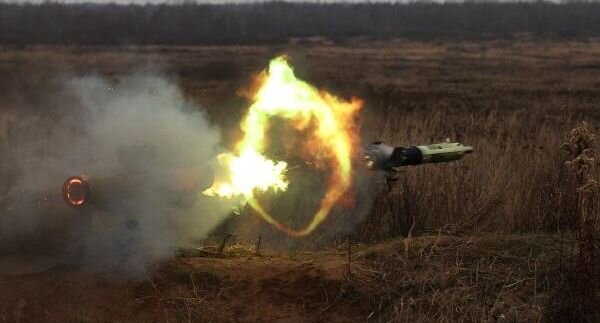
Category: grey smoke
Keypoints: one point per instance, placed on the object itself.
(139, 124)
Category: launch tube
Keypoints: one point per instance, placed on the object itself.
(101, 191)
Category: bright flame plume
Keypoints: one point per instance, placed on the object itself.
(334, 139)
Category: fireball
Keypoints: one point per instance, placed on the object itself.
(247, 171)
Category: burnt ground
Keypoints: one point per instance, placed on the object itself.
(431, 278)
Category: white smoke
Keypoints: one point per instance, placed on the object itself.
(139, 124)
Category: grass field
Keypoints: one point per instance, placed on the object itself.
(495, 226)
(427, 279)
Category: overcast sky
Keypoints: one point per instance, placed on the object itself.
(225, 1)
(181, 1)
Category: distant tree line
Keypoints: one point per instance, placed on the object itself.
(271, 22)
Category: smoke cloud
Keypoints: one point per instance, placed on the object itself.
(135, 129)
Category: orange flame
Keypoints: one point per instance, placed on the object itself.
(334, 136)
(75, 191)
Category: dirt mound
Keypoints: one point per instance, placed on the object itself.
(422, 279)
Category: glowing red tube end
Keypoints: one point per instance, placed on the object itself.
(76, 191)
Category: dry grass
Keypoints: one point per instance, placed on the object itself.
(515, 102)
(437, 278)
(517, 124)
(473, 279)
(577, 294)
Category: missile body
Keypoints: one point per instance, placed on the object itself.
(428, 154)
(379, 156)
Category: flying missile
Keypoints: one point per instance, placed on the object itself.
(380, 156)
